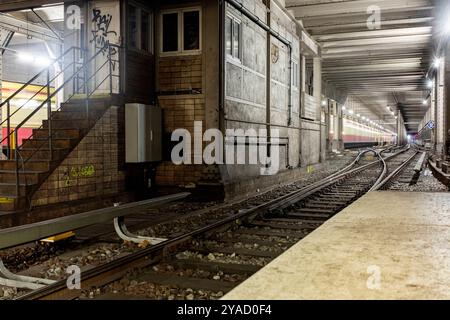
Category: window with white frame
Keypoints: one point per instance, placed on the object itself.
(233, 37)
(181, 31)
(140, 30)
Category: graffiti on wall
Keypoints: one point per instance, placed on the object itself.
(78, 172)
(101, 32)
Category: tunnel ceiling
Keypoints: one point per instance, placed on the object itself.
(383, 67)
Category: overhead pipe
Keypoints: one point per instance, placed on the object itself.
(242, 9)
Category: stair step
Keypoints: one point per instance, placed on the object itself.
(7, 189)
(36, 161)
(75, 114)
(79, 106)
(67, 124)
(36, 143)
(30, 177)
(31, 165)
(10, 203)
(42, 154)
(57, 133)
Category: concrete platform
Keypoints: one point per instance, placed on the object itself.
(387, 245)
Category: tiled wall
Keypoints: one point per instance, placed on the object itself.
(92, 168)
(180, 73)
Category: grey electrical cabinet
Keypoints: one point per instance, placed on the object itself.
(143, 133)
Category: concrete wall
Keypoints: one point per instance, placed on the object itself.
(92, 169)
(248, 104)
(310, 142)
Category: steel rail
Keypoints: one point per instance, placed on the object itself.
(118, 267)
(315, 187)
(394, 173)
(15, 236)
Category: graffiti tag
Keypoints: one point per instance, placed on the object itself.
(80, 172)
(101, 32)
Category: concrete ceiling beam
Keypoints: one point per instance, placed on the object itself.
(350, 7)
(19, 26)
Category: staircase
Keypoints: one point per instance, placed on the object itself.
(28, 165)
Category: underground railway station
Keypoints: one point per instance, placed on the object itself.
(231, 150)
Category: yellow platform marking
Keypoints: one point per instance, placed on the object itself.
(59, 237)
(6, 200)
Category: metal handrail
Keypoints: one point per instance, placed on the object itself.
(29, 82)
(90, 94)
(34, 95)
(76, 71)
(84, 66)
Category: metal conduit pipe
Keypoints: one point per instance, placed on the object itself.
(240, 7)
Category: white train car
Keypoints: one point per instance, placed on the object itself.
(357, 134)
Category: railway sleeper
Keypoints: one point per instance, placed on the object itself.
(248, 242)
(321, 201)
(279, 240)
(322, 217)
(165, 279)
(206, 249)
(315, 210)
(264, 232)
(277, 225)
(213, 266)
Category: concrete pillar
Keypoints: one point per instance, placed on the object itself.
(303, 74)
(317, 93)
(328, 124)
(340, 127)
(432, 115)
(441, 92)
(401, 131)
(317, 84)
(335, 125)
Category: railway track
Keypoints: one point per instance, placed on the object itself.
(208, 262)
(405, 175)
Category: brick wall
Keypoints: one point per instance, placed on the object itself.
(180, 84)
(180, 73)
(180, 111)
(92, 169)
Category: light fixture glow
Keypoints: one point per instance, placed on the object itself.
(358, 115)
(25, 57)
(424, 102)
(41, 61)
(430, 84)
(38, 61)
(324, 103)
(437, 62)
(350, 111)
(344, 108)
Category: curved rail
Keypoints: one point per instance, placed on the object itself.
(148, 256)
(394, 173)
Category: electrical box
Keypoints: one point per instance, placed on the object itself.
(143, 133)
